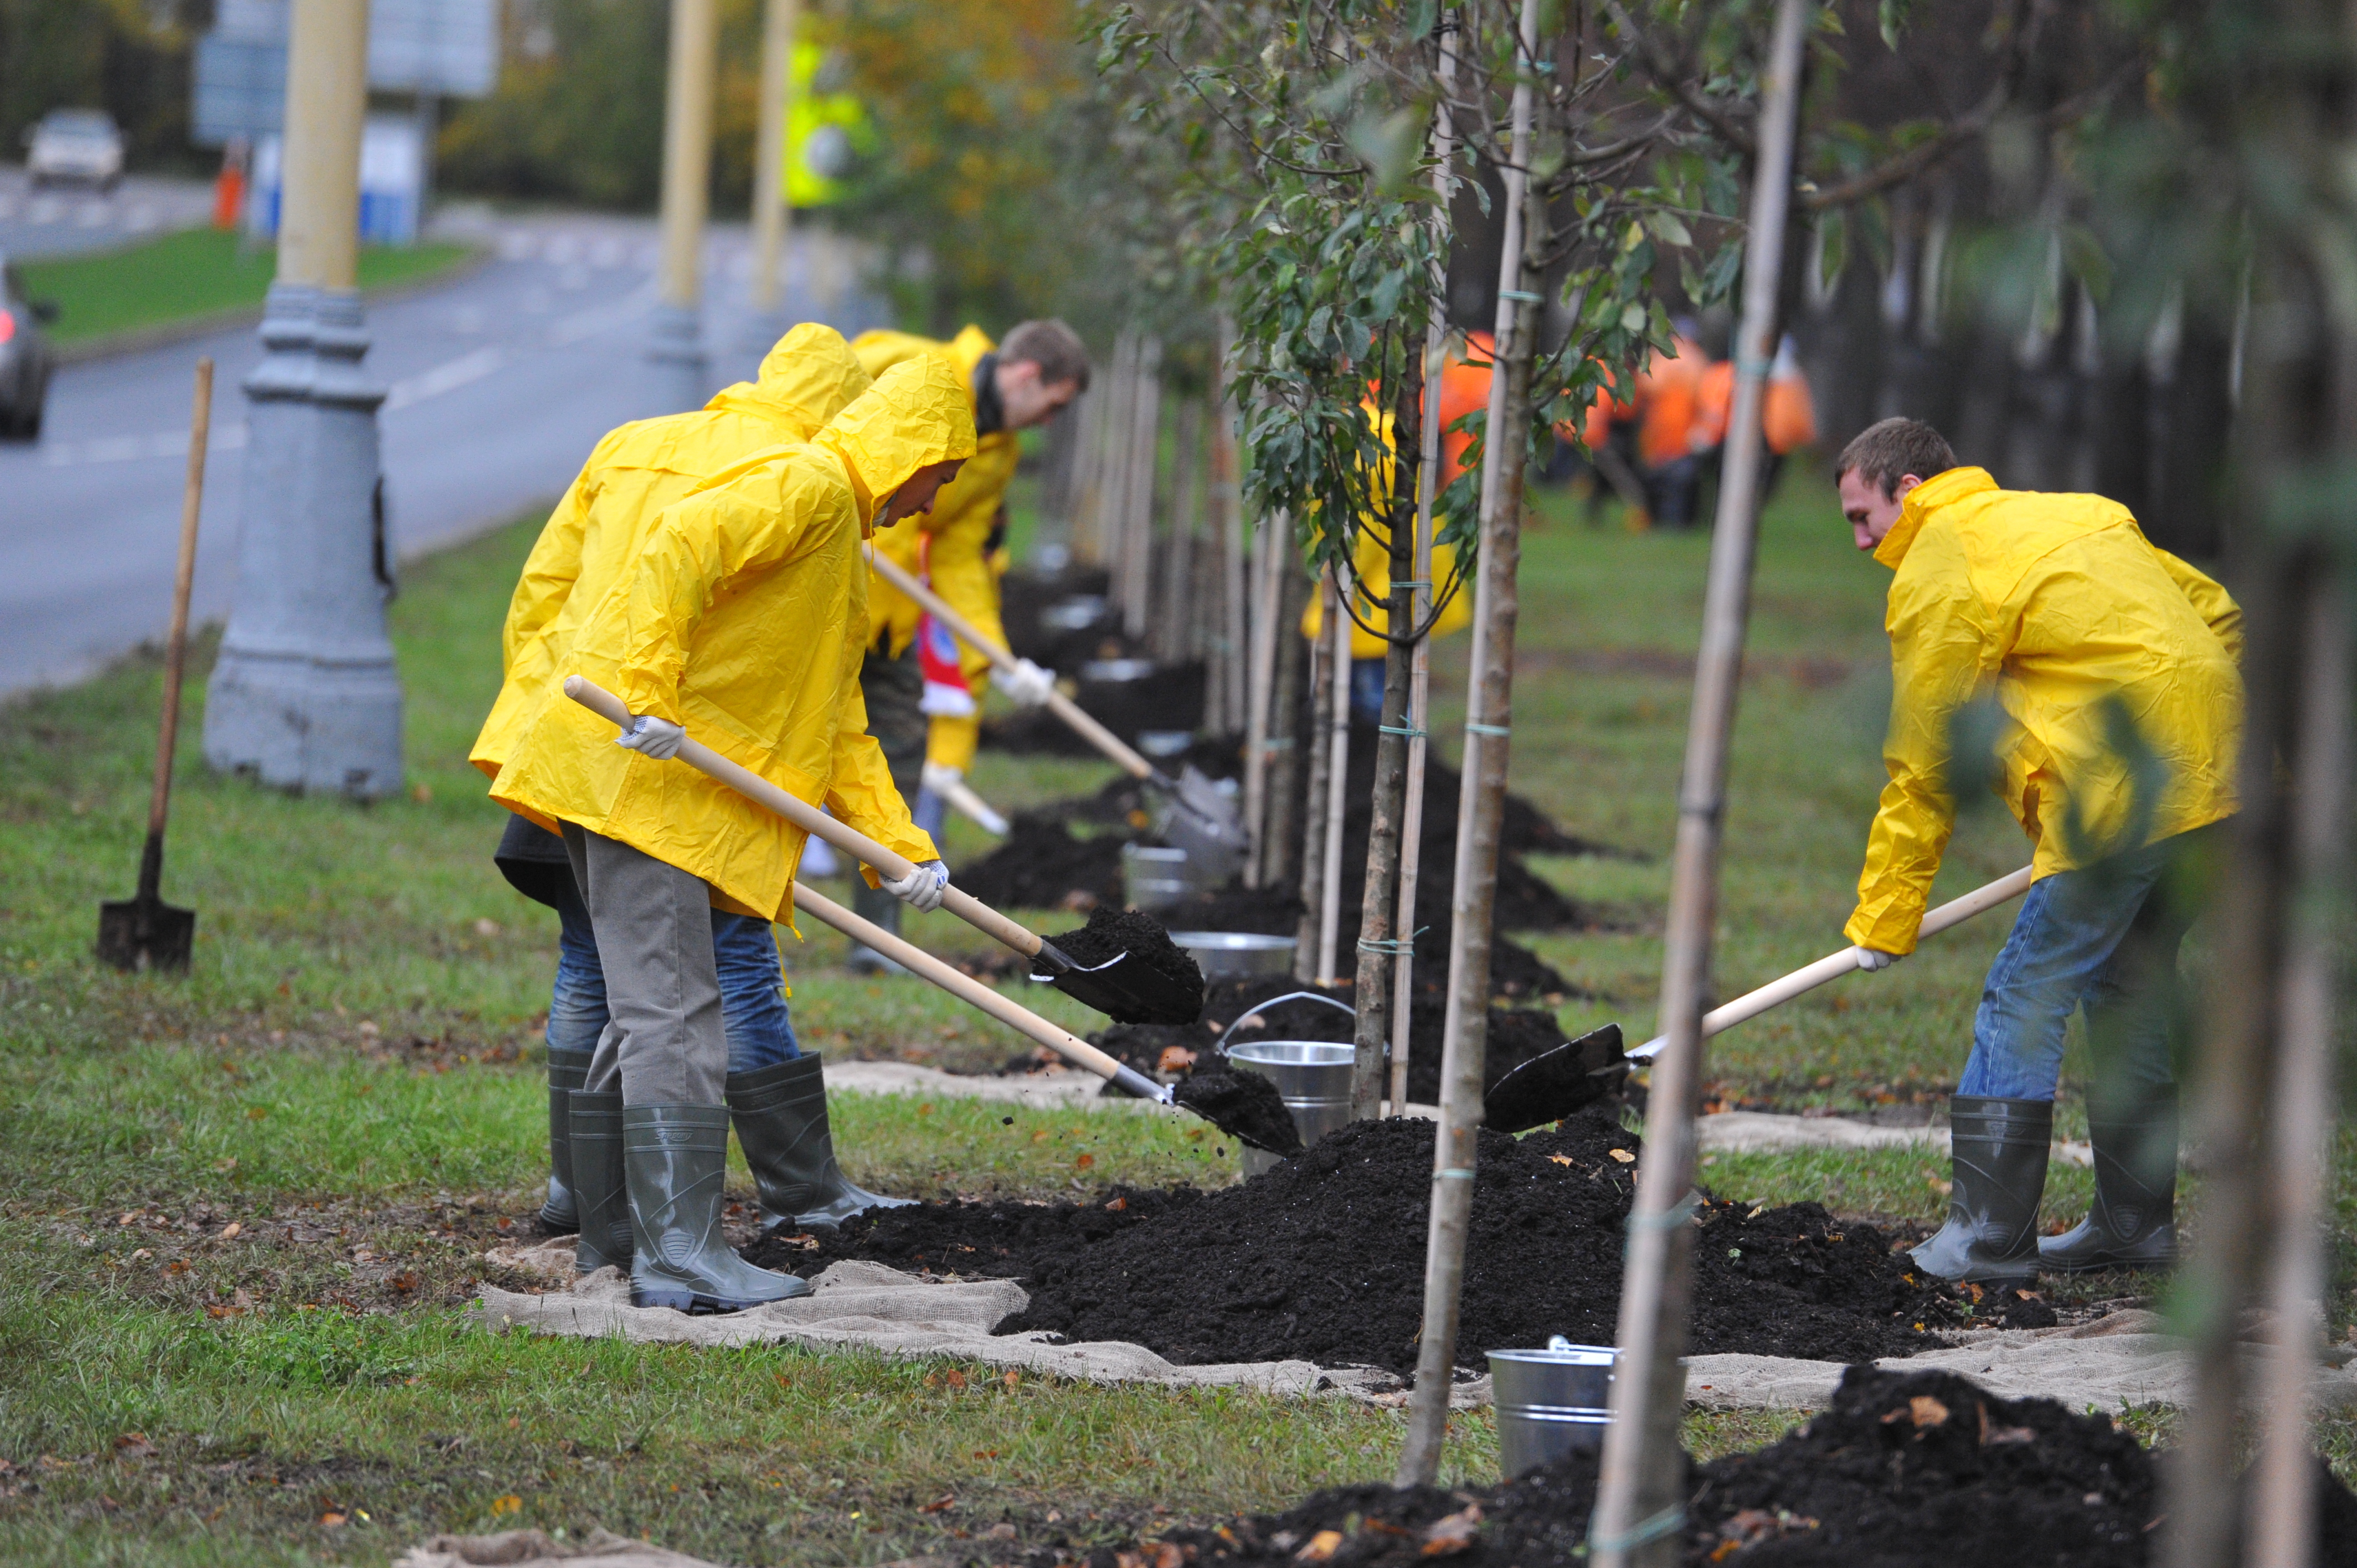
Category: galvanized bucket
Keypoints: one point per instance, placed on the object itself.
(1153, 878)
(1314, 1076)
(1550, 1402)
(1230, 955)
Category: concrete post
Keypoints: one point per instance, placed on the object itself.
(305, 695)
(683, 372)
(772, 219)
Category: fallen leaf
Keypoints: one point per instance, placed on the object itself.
(232, 1232)
(132, 1445)
(1624, 1156)
(1561, 1159)
(941, 1504)
(1321, 1546)
(1013, 1380)
(1118, 1204)
(955, 1378)
(1174, 1058)
(331, 1520)
(508, 1504)
(1455, 1533)
(1922, 1411)
(1084, 1162)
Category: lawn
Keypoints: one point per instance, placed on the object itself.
(247, 1207)
(190, 276)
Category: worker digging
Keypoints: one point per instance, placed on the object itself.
(734, 607)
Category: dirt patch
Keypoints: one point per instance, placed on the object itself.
(1906, 1469)
(1242, 1104)
(1042, 865)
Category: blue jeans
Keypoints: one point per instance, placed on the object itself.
(744, 950)
(2106, 937)
(1367, 691)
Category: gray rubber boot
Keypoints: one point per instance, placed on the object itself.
(567, 1070)
(2133, 1224)
(878, 908)
(598, 1190)
(676, 1158)
(1998, 1166)
(781, 1115)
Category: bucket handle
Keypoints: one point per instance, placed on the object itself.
(1220, 1045)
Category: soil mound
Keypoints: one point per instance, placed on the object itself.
(1044, 865)
(1322, 1259)
(993, 1240)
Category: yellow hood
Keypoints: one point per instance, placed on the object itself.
(808, 378)
(916, 415)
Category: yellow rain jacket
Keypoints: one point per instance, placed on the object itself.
(958, 528)
(594, 535)
(2058, 604)
(742, 619)
(1371, 559)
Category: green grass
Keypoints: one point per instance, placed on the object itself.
(349, 1076)
(190, 274)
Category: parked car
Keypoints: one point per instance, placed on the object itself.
(26, 360)
(79, 145)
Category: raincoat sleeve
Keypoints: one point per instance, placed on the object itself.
(749, 523)
(1943, 648)
(554, 566)
(2213, 603)
(861, 793)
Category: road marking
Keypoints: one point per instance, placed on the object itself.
(443, 378)
(135, 448)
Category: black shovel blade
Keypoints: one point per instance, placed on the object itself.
(1126, 989)
(145, 933)
(1552, 1085)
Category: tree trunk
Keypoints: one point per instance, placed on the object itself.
(1380, 948)
(1641, 1496)
(1481, 805)
(1311, 738)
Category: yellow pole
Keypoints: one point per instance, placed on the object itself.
(327, 97)
(770, 217)
(687, 149)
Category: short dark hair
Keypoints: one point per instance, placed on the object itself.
(1889, 450)
(1055, 348)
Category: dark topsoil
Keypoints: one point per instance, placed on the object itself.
(1322, 1259)
(1906, 1468)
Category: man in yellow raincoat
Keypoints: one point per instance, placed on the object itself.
(930, 730)
(591, 540)
(740, 617)
(2113, 664)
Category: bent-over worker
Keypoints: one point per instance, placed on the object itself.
(930, 731)
(740, 617)
(2114, 663)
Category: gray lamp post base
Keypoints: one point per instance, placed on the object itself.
(682, 378)
(306, 695)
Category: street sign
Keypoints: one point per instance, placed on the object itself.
(447, 49)
(392, 178)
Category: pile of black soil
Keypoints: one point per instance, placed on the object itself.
(994, 1240)
(1244, 1105)
(1043, 865)
(1167, 698)
(1907, 1470)
(1322, 1259)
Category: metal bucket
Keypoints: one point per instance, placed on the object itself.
(1153, 878)
(1314, 1076)
(1228, 955)
(1550, 1402)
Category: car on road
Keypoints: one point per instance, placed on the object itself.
(27, 360)
(78, 144)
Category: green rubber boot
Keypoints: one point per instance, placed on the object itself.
(1998, 1166)
(567, 1070)
(2133, 1224)
(599, 1191)
(781, 1115)
(676, 1159)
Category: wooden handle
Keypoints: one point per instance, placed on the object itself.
(176, 641)
(965, 987)
(1132, 762)
(1832, 966)
(809, 818)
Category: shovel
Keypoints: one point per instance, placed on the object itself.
(1201, 820)
(1551, 1086)
(145, 932)
(1125, 988)
(1250, 1122)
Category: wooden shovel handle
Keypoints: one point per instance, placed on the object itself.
(176, 641)
(1832, 966)
(809, 818)
(1132, 762)
(966, 988)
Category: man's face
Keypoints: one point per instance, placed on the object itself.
(1869, 508)
(1024, 399)
(915, 496)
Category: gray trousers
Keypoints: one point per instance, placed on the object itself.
(663, 1043)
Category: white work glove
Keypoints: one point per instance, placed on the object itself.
(1872, 959)
(1028, 685)
(922, 888)
(650, 736)
(941, 777)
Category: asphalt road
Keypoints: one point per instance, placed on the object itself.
(60, 220)
(501, 382)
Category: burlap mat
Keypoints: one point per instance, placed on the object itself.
(533, 1549)
(1762, 1132)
